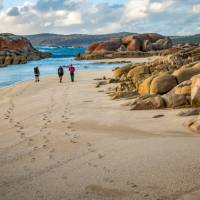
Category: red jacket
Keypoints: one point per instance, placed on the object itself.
(72, 69)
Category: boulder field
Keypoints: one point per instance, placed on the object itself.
(18, 50)
(140, 45)
(171, 81)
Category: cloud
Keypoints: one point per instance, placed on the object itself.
(161, 6)
(68, 18)
(196, 8)
(136, 9)
(167, 17)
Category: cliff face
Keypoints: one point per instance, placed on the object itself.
(17, 50)
(134, 45)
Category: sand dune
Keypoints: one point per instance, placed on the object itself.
(70, 141)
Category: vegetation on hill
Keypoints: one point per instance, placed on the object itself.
(186, 39)
(76, 40)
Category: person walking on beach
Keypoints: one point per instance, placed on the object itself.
(60, 73)
(72, 70)
(37, 74)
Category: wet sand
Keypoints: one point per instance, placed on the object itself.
(69, 141)
(126, 60)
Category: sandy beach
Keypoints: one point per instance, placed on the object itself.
(69, 141)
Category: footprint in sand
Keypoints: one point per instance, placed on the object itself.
(108, 180)
(22, 134)
(52, 151)
(89, 144)
(100, 156)
(92, 165)
(33, 159)
(69, 127)
(44, 146)
(39, 195)
(67, 134)
(73, 141)
(35, 148)
(76, 136)
(46, 141)
(6, 117)
(26, 168)
(64, 177)
(131, 184)
(91, 150)
(106, 170)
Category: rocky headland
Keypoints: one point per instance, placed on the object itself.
(131, 46)
(170, 81)
(18, 50)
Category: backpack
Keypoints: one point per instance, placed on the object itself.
(36, 71)
(60, 70)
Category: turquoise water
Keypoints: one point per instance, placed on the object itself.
(61, 56)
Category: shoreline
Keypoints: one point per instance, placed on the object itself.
(106, 61)
(51, 75)
(124, 60)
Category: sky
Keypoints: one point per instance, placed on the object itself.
(167, 17)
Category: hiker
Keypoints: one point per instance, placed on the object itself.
(60, 73)
(37, 74)
(72, 70)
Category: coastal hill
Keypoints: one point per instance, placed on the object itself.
(186, 39)
(77, 40)
(83, 40)
(17, 50)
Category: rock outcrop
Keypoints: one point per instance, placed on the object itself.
(130, 46)
(195, 91)
(171, 81)
(149, 103)
(17, 50)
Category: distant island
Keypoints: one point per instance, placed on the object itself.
(84, 40)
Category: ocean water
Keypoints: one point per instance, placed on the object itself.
(61, 56)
